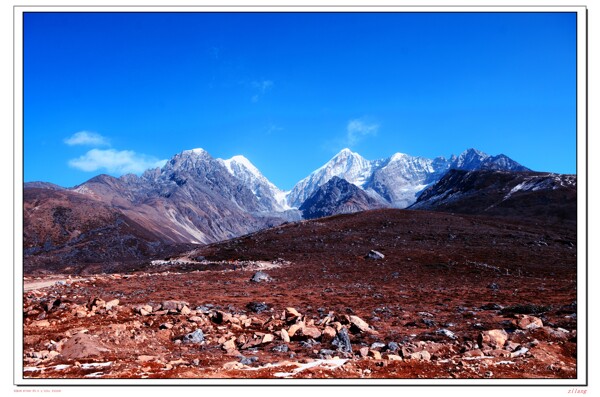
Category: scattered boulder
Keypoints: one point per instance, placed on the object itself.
(359, 325)
(473, 353)
(249, 360)
(194, 337)
(363, 351)
(377, 345)
(267, 338)
(495, 338)
(311, 332)
(111, 304)
(41, 324)
(392, 357)
(82, 346)
(96, 303)
(393, 346)
(342, 341)
(446, 333)
(233, 365)
(229, 345)
(144, 310)
(422, 355)
(285, 336)
(328, 334)
(558, 333)
(185, 311)
(295, 328)
(280, 348)
(374, 255)
(260, 276)
(257, 307)
(174, 305)
(528, 322)
(291, 313)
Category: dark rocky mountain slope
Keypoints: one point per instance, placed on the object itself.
(501, 193)
(338, 196)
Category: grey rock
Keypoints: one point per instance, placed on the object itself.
(194, 337)
(342, 341)
(281, 349)
(260, 276)
(447, 333)
(374, 255)
(205, 309)
(377, 345)
(393, 346)
(308, 343)
(257, 307)
(249, 360)
(326, 352)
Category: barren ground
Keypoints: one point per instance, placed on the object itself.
(425, 310)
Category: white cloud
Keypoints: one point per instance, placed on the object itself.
(115, 161)
(87, 138)
(358, 129)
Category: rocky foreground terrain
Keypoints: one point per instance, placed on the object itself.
(388, 294)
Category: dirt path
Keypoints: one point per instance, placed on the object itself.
(30, 285)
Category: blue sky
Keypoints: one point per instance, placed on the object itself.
(116, 93)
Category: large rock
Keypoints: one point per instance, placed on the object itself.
(194, 337)
(495, 338)
(82, 346)
(294, 328)
(285, 336)
(311, 332)
(328, 334)
(111, 304)
(358, 324)
(260, 276)
(342, 341)
(420, 356)
(257, 307)
(374, 255)
(291, 313)
(174, 305)
(529, 322)
(229, 345)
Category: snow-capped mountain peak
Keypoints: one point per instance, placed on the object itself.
(398, 179)
(266, 192)
(239, 162)
(346, 164)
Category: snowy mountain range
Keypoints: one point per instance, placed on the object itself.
(398, 179)
(195, 198)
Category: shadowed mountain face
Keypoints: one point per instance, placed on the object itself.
(65, 231)
(513, 194)
(338, 197)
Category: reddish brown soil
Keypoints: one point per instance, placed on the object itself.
(439, 273)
